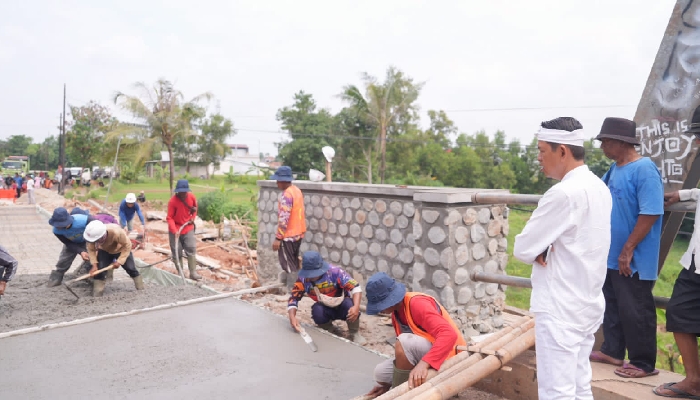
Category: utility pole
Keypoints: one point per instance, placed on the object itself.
(62, 144)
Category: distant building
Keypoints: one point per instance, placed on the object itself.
(241, 162)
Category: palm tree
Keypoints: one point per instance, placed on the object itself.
(383, 102)
(164, 115)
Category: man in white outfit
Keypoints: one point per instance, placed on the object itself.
(566, 240)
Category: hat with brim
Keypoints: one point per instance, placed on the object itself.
(60, 218)
(312, 265)
(283, 174)
(620, 129)
(383, 292)
(182, 186)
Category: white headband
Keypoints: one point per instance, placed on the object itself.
(575, 138)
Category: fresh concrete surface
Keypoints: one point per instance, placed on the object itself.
(224, 349)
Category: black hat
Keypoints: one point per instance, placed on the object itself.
(695, 122)
(619, 129)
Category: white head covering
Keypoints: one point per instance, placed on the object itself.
(575, 138)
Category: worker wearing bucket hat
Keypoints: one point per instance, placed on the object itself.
(632, 265)
(291, 225)
(127, 208)
(108, 244)
(69, 229)
(426, 334)
(182, 212)
(336, 294)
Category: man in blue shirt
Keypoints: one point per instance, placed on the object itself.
(69, 230)
(127, 208)
(638, 202)
(18, 180)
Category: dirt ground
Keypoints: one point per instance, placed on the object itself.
(28, 302)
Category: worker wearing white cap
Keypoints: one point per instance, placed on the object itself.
(127, 208)
(107, 244)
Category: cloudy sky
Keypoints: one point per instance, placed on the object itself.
(564, 58)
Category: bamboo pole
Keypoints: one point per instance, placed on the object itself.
(469, 362)
(463, 360)
(452, 386)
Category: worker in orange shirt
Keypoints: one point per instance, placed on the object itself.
(291, 225)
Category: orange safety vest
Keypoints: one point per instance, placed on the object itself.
(297, 221)
(417, 330)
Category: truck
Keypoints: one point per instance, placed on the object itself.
(15, 164)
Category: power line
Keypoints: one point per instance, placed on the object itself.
(537, 108)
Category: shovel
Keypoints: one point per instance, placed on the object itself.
(307, 339)
(80, 278)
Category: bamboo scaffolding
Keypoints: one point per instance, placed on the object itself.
(464, 359)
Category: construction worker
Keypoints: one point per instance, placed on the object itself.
(291, 225)
(426, 334)
(8, 267)
(127, 208)
(109, 245)
(336, 293)
(182, 211)
(69, 230)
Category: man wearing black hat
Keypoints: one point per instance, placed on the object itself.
(336, 294)
(69, 229)
(426, 335)
(629, 324)
(182, 211)
(291, 224)
(683, 310)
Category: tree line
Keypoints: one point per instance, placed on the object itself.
(162, 121)
(377, 139)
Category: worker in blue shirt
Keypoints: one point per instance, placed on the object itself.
(127, 209)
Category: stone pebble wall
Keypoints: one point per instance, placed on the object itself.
(430, 249)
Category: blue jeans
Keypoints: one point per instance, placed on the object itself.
(322, 314)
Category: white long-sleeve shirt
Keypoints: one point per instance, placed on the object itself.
(685, 195)
(573, 217)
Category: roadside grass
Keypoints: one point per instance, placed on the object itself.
(241, 192)
(667, 357)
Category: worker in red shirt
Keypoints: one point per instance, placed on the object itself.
(182, 210)
(426, 335)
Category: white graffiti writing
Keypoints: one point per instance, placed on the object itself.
(666, 143)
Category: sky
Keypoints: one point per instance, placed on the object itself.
(524, 62)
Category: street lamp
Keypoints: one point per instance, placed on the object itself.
(329, 153)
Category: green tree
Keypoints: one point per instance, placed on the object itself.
(85, 134)
(164, 116)
(385, 103)
(310, 129)
(17, 145)
(211, 143)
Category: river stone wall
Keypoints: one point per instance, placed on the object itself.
(430, 239)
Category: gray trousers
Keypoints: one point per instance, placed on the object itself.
(30, 195)
(187, 243)
(65, 260)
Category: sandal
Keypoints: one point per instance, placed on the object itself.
(678, 393)
(599, 357)
(628, 366)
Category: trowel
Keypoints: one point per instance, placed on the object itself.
(307, 339)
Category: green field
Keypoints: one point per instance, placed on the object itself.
(241, 192)
(520, 297)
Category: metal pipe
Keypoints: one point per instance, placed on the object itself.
(506, 198)
(533, 199)
(661, 302)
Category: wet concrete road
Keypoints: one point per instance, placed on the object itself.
(224, 349)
